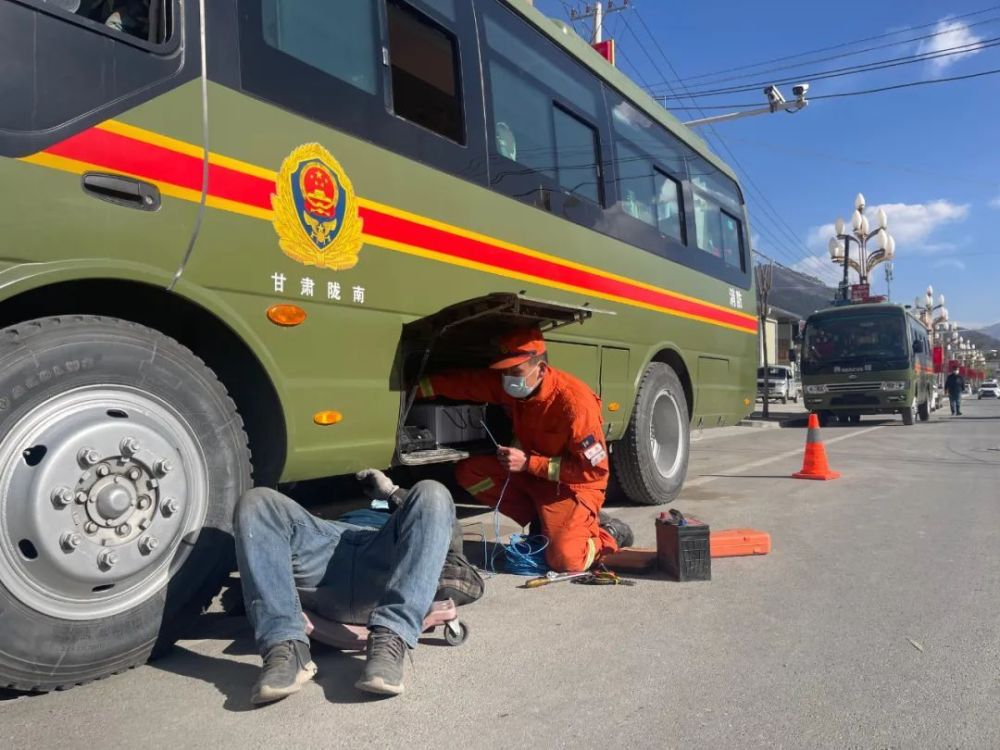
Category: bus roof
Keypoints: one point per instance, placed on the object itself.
(564, 35)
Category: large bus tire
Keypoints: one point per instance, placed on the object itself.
(650, 461)
(121, 460)
(909, 413)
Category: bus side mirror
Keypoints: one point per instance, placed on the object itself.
(793, 355)
(918, 346)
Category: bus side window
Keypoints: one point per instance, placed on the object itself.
(342, 44)
(545, 115)
(425, 80)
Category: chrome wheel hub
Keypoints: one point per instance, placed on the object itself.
(665, 434)
(102, 493)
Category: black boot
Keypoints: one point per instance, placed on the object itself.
(383, 663)
(287, 667)
(619, 530)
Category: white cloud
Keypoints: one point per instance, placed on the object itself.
(911, 224)
(950, 34)
(949, 263)
(995, 203)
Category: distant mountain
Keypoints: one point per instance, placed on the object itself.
(797, 293)
(981, 339)
(991, 330)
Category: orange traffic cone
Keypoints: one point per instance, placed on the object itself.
(814, 464)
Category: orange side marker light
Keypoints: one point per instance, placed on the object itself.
(325, 418)
(614, 406)
(286, 315)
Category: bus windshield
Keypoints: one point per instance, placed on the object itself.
(863, 341)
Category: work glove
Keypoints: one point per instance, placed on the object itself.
(378, 486)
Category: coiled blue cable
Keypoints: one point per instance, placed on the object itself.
(525, 555)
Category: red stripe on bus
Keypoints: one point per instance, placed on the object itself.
(103, 148)
(389, 227)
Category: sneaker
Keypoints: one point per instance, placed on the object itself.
(619, 530)
(287, 667)
(383, 663)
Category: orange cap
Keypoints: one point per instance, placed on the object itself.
(519, 346)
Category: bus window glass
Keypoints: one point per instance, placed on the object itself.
(344, 44)
(523, 121)
(524, 58)
(708, 226)
(576, 155)
(425, 87)
(636, 188)
(668, 206)
(731, 246)
(141, 19)
(643, 133)
(713, 182)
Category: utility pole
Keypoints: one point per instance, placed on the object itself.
(764, 275)
(598, 11)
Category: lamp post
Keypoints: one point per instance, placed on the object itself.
(860, 236)
(925, 309)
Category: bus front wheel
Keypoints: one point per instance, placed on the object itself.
(909, 413)
(121, 460)
(650, 461)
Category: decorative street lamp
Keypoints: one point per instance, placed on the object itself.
(861, 236)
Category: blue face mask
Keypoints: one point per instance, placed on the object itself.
(516, 386)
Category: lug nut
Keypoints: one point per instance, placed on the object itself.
(134, 474)
(163, 466)
(123, 530)
(148, 543)
(62, 496)
(81, 497)
(145, 524)
(103, 470)
(107, 559)
(129, 447)
(170, 506)
(69, 541)
(88, 457)
(90, 527)
(144, 502)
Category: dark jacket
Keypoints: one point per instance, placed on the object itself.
(954, 385)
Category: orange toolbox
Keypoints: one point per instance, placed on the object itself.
(739, 542)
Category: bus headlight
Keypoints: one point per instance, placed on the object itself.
(816, 390)
(894, 385)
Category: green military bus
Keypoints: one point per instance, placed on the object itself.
(237, 232)
(867, 359)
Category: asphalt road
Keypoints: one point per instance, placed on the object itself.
(875, 622)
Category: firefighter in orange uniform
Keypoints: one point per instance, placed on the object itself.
(558, 472)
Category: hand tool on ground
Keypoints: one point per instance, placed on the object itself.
(552, 577)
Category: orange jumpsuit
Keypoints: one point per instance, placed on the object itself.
(560, 429)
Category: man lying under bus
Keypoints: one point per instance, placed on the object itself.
(556, 473)
(384, 577)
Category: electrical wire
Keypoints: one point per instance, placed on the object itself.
(962, 49)
(842, 45)
(949, 30)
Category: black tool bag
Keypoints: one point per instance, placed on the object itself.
(459, 581)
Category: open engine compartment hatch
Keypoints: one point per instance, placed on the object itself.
(463, 335)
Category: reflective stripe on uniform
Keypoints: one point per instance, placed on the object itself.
(426, 389)
(555, 464)
(591, 554)
(486, 484)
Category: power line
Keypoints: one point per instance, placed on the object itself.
(853, 53)
(838, 46)
(963, 49)
(863, 92)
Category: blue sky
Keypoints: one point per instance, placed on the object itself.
(928, 154)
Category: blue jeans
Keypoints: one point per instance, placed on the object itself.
(384, 576)
(956, 404)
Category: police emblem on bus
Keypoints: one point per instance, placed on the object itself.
(316, 210)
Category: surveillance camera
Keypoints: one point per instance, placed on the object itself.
(800, 90)
(774, 96)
